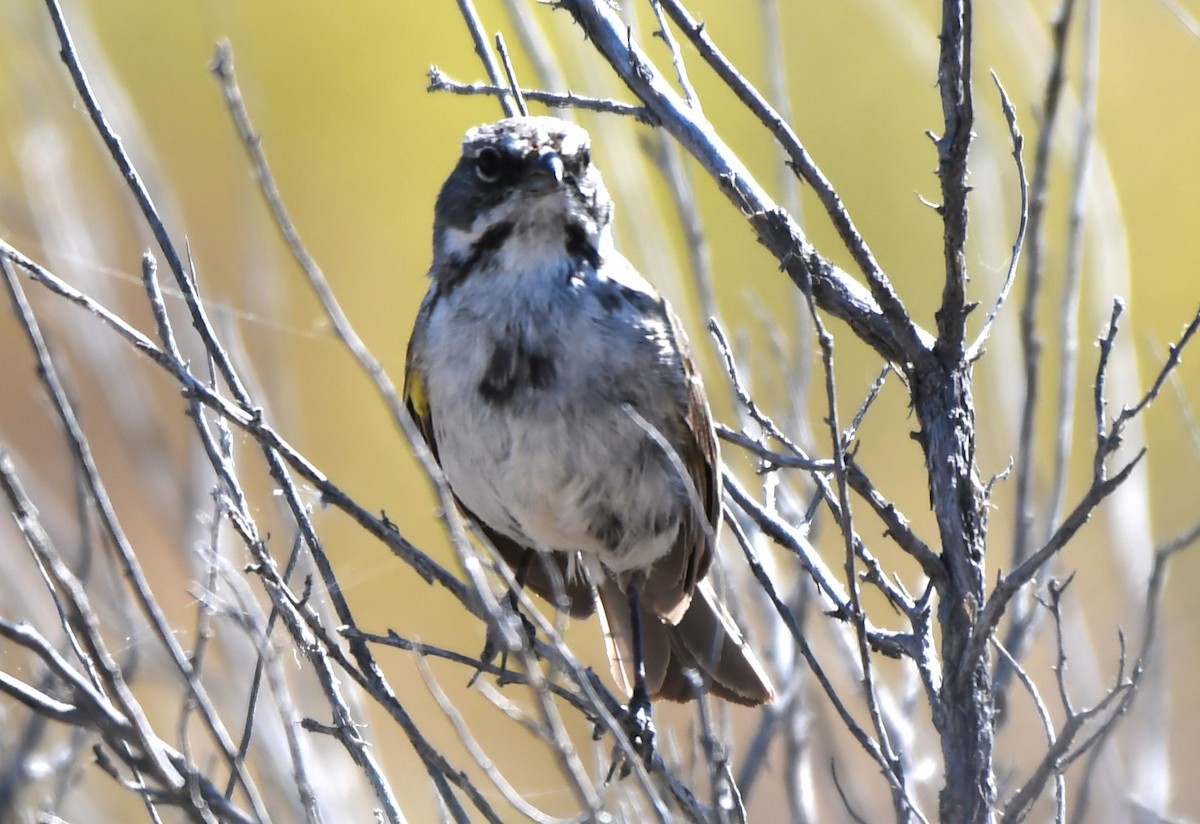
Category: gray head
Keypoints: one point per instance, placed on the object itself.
(526, 177)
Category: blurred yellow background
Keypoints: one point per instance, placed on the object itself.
(359, 149)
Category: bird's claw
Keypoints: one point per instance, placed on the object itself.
(638, 724)
(493, 646)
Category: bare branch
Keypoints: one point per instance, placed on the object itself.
(835, 292)
(804, 167)
(772, 458)
(1108, 439)
(108, 706)
(1060, 753)
(664, 31)
(1018, 141)
(896, 597)
(130, 567)
(1152, 612)
(511, 74)
(990, 615)
(864, 739)
(1068, 367)
(901, 801)
(898, 527)
(489, 767)
(439, 82)
(1031, 344)
(1174, 356)
(467, 9)
(1043, 714)
(222, 67)
(958, 113)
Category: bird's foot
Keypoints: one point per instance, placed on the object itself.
(638, 724)
(494, 645)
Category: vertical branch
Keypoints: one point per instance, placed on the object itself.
(537, 50)
(475, 26)
(895, 767)
(1016, 637)
(1068, 368)
(958, 114)
(941, 393)
(1034, 269)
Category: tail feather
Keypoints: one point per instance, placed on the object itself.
(616, 621)
(706, 639)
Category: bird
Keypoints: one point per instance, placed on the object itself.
(556, 390)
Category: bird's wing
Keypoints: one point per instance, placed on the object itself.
(670, 583)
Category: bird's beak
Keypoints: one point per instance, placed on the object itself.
(545, 173)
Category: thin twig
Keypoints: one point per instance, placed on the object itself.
(895, 337)
(222, 67)
(897, 525)
(252, 424)
(485, 763)
(1018, 142)
(771, 457)
(471, 17)
(1173, 359)
(204, 327)
(664, 31)
(1031, 344)
(1108, 439)
(1060, 753)
(1152, 610)
(686, 204)
(511, 74)
(535, 45)
(894, 769)
(804, 166)
(860, 735)
(1043, 714)
(127, 558)
(439, 82)
(1024, 573)
(275, 445)
(1068, 317)
(121, 721)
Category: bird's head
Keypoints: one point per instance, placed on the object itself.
(527, 178)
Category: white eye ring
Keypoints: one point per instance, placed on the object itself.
(488, 164)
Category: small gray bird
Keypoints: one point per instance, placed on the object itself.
(556, 390)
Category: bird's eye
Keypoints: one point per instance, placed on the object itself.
(487, 165)
(585, 158)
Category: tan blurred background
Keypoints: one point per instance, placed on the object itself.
(359, 149)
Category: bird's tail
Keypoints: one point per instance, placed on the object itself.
(706, 639)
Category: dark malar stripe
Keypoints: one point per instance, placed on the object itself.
(487, 245)
(579, 247)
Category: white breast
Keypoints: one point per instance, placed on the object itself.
(564, 467)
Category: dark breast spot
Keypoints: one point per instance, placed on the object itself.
(607, 528)
(516, 367)
(541, 370)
